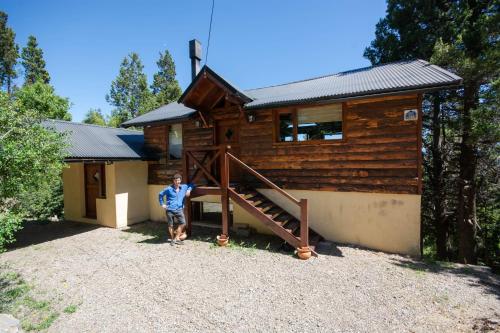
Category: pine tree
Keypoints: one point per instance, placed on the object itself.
(129, 92)
(461, 126)
(475, 55)
(33, 63)
(165, 86)
(9, 52)
(410, 30)
(95, 116)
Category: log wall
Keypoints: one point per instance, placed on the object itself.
(379, 152)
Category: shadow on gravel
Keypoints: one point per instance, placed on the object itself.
(157, 233)
(479, 276)
(35, 232)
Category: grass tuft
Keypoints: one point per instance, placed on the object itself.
(70, 309)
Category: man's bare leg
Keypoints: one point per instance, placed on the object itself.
(171, 232)
(178, 233)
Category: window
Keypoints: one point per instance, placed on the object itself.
(309, 124)
(286, 127)
(175, 142)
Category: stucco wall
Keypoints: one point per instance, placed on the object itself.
(126, 199)
(156, 212)
(387, 222)
(73, 189)
(131, 192)
(74, 196)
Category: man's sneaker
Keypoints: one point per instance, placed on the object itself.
(179, 242)
(172, 242)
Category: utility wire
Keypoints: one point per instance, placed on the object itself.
(210, 30)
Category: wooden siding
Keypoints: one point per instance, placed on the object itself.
(379, 152)
(156, 140)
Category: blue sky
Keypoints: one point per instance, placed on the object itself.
(253, 44)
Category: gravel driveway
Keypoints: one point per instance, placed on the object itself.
(134, 281)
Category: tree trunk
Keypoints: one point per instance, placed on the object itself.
(439, 220)
(466, 213)
(9, 83)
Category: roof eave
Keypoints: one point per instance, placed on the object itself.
(75, 159)
(160, 122)
(203, 73)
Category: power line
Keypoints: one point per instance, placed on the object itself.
(210, 30)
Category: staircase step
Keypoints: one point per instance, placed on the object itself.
(292, 226)
(274, 212)
(283, 218)
(266, 206)
(255, 201)
(248, 194)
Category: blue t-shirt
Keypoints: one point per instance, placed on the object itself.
(175, 200)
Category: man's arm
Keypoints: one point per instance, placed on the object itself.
(162, 194)
(190, 187)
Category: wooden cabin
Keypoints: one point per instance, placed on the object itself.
(335, 157)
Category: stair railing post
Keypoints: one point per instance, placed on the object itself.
(304, 224)
(224, 191)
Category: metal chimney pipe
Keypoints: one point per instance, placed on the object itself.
(195, 55)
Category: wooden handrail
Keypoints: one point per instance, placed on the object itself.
(264, 179)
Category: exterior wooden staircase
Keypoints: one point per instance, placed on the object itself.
(280, 221)
(294, 231)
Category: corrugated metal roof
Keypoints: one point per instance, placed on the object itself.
(98, 142)
(376, 80)
(172, 112)
(393, 77)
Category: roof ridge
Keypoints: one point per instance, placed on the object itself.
(338, 73)
(91, 125)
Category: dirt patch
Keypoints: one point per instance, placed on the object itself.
(107, 280)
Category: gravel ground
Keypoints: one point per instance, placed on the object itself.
(134, 281)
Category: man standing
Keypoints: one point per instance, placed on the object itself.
(174, 206)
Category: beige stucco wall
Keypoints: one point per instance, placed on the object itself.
(156, 212)
(126, 199)
(73, 189)
(131, 192)
(387, 222)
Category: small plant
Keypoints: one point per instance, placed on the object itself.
(70, 309)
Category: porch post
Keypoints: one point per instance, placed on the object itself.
(304, 224)
(224, 193)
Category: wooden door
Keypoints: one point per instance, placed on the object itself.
(93, 176)
(228, 134)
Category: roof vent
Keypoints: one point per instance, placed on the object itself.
(195, 55)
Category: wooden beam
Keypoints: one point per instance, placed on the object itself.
(224, 193)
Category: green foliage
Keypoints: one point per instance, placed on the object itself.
(31, 157)
(9, 52)
(165, 86)
(129, 91)
(33, 63)
(41, 99)
(95, 116)
(70, 309)
(409, 30)
(461, 127)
